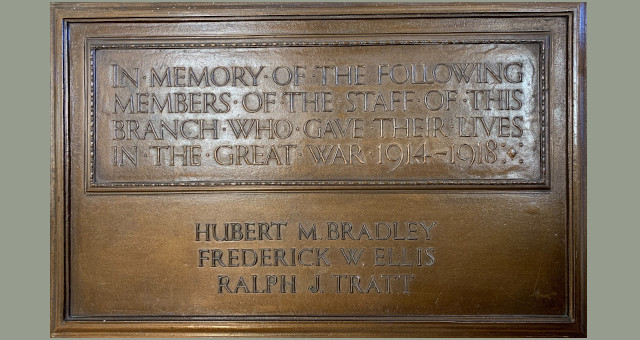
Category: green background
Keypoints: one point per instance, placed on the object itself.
(613, 161)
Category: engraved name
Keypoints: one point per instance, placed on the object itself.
(237, 246)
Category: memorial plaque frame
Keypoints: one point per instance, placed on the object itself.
(75, 139)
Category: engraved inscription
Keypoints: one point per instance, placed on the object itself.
(381, 113)
(400, 253)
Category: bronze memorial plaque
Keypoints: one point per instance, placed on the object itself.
(318, 170)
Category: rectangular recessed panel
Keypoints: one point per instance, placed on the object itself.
(379, 113)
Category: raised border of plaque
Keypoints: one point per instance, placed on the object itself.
(64, 324)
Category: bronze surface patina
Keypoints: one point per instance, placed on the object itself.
(318, 170)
